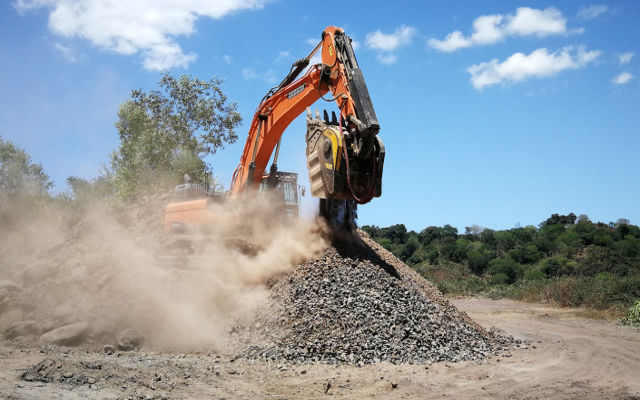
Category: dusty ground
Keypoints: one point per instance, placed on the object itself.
(569, 357)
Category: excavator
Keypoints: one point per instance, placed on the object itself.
(345, 156)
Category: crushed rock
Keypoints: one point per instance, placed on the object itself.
(360, 305)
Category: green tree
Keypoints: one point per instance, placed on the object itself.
(506, 266)
(528, 254)
(24, 185)
(166, 133)
(569, 219)
(409, 248)
(526, 234)
(557, 266)
(396, 233)
(504, 240)
(19, 175)
(479, 260)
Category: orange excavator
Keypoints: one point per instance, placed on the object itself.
(345, 156)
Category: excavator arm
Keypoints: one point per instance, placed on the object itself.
(344, 155)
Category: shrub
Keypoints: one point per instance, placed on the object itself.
(558, 266)
(533, 274)
(499, 279)
(468, 286)
(561, 292)
(506, 266)
(633, 315)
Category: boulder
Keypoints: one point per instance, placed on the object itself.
(22, 328)
(129, 339)
(68, 335)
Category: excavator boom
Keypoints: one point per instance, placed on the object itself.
(344, 154)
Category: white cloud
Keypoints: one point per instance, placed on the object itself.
(622, 78)
(268, 76)
(391, 41)
(227, 59)
(529, 21)
(387, 58)
(312, 42)
(387, 43)
(540, 63)
(281, 56)
(145, 27)
(592, 11)
(66, 52)
(489, 29)
(625, 58)
(248, 73)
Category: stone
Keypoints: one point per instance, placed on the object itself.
(365, 308)
(129, 340)
(22, 328)
(68, 335)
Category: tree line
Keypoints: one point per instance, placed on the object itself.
(562, 245)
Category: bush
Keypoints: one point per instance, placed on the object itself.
(533, 274)
(506, 266)
(499, 279)
(558, 266)
(466, 286)
(633, 315)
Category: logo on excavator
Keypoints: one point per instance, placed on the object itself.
(330, 50)
(296, 91)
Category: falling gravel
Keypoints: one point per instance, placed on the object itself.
(358, 304)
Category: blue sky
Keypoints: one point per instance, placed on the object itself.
(492, 113)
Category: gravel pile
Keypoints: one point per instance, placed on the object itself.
(363, 306)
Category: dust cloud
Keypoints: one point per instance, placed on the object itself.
(116, 270)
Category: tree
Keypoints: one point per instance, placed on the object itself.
(479, 260)
(506, 266)
(582, 217)
(555, 219)
(505, 240)
(84, 191)
(473, 230)
(396, 233)
(166, 133)
(372, 230)
(19, 175)
(409, 248)
(24, 186)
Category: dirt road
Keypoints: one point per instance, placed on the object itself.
(569, 357)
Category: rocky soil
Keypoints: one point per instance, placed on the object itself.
(567, 357)
(358, 304)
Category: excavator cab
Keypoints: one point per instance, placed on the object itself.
(285, 189)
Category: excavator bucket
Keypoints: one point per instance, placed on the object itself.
(340, 165)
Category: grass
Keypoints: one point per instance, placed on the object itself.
(603, 292)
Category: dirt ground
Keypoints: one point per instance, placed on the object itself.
(569, 356)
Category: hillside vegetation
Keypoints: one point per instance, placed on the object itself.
(567, 260)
